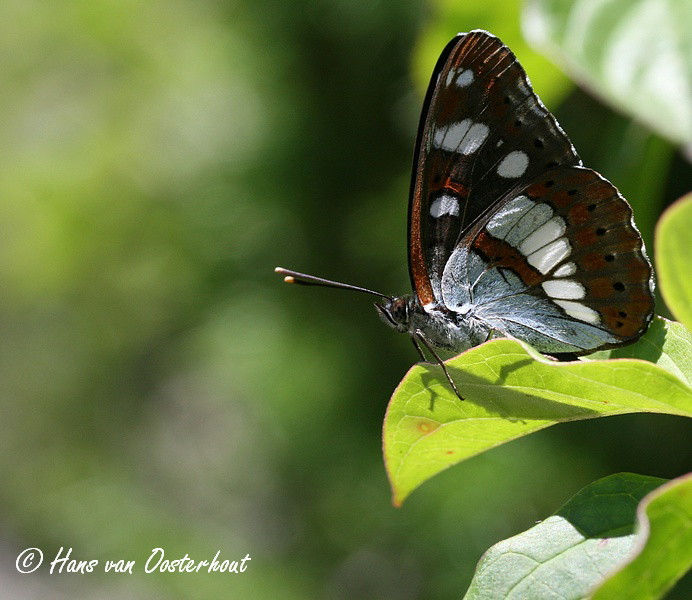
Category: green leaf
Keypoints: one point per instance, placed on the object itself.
(636, 54)
(591, 535)
(662, 551)
(673, 243)
(510, 391)
(667, 344)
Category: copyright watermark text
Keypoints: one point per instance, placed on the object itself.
(31, 559)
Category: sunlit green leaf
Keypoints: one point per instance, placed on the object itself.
(662, 550)
(511, 391)
(592, 534)
(635, 54)
(667, 344)
(673, 243)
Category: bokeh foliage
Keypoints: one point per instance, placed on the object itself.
(160, 387)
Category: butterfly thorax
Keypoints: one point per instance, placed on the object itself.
(442, 327)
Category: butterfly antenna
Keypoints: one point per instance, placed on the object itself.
(303, 279)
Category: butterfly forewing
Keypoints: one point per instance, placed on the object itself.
(483, 130)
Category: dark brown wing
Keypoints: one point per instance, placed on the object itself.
(560, 265)
(483, 132)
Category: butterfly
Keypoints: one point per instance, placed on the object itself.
(508, 233)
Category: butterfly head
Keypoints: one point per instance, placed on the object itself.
(396, 312)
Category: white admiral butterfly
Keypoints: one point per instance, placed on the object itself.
(508, 233)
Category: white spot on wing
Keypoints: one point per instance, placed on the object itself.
(565, 270)
(527, 222)
(503, 219)
(444, 205)
(513, 165)
(579, 311)
(545, 258)
(465, 78)
(463, 137)
(475, 137)
(449, 138)
(565, 289)
(546, 233)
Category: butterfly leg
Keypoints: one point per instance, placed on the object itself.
(418, 349)
(419, 336)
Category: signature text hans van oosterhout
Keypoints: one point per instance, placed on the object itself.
(31, 559)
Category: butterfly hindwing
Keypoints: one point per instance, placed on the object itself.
(483, 130)
(559, 264)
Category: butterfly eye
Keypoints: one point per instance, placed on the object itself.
(400, 310)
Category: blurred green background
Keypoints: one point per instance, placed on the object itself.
(161, 387)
